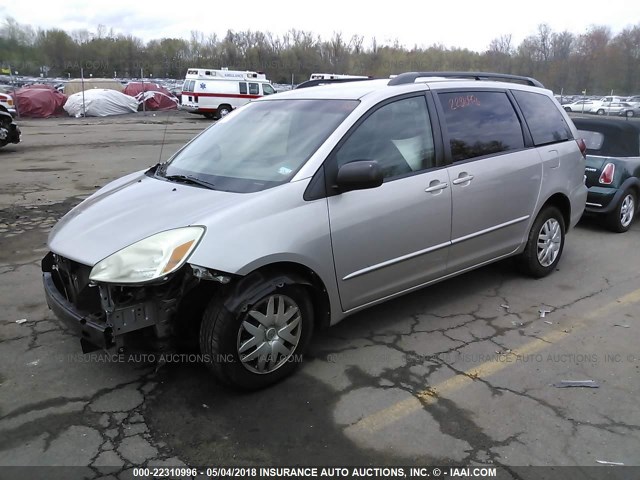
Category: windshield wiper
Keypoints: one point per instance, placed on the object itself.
(189, 179)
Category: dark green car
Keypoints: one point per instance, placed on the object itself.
(612, 169)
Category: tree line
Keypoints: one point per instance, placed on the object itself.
(596, 61)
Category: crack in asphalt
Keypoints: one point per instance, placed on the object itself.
(443, 410)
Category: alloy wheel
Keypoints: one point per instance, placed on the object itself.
(549, 242)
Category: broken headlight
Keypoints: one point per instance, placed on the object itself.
(149, 259)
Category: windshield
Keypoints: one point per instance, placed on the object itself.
(260, 146)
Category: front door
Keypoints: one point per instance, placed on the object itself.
(394, 237)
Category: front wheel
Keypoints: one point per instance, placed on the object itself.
(223, 111)
(620, 219)
(629, 113)
(544, 244)
(258, 344)
(600, 111)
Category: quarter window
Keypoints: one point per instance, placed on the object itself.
(254, 89)
(480, 123)
(398, 136)
(243, 88)
(545, 121)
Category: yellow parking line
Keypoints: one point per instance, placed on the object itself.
(388, 415)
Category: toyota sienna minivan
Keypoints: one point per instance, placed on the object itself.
(304, 207)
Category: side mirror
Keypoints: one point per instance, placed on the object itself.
(359, 175)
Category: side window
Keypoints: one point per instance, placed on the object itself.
(480, 123)
(398, 136)
(243, 88)
(188, 85)
(254, 89)
(267, 89)
(545, 121)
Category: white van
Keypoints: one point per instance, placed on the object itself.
(214, 93)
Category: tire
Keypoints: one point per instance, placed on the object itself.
(629, 113)
(542, 253)
(621, 218)
(567, 109)
(231, 341)
(600, 112)
(223, 110)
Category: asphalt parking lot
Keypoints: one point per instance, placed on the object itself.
(462, 372)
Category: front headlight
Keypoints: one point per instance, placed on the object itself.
(150, 258)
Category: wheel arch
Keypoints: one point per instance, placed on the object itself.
(268, 278)
(562, 203)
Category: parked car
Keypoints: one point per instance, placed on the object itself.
(7, 104)
(630, 111)
(581, 106)
(615, 108)
(9, 131)
(635, 100)
(612, 170)
(304, 207)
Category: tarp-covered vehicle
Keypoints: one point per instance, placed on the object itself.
(40, 102)
(9, 131)
(100, 102)
(154, 96)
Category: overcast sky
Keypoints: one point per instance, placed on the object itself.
(462, 23)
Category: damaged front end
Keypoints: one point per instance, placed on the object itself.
(107, 316)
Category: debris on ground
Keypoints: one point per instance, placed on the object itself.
(517, 324)
(548, 322)
(21, 321)
(576, 383)
(619, 325)
(205, 405)
(543, 312)
(505, 306)
(605, 462)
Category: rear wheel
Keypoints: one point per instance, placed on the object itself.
(621, 218)
(260, 343)
(544, 244)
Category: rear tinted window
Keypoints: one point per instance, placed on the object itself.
(480, 123)
(545, 121)
(593, 140)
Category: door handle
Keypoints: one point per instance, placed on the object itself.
(465, 179)
(437, 187)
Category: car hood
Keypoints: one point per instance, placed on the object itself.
(130, 209)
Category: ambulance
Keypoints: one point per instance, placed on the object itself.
(214, 93)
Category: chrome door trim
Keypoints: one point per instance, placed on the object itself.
(489, 230)
(386, 263)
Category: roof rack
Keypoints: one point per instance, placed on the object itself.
(326, 81)
(410, 77)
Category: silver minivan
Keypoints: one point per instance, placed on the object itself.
(304, 207)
